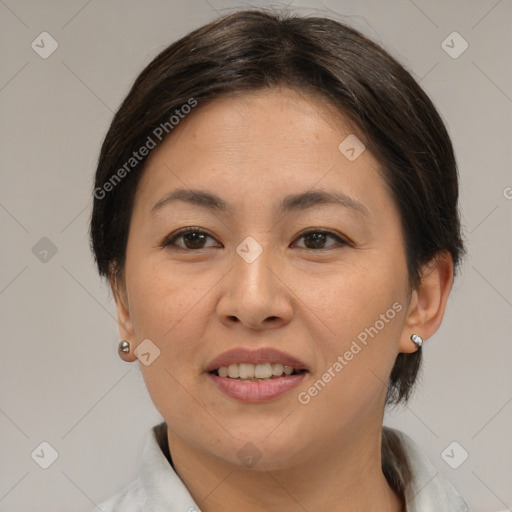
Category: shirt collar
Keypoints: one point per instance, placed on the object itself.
(163, 489)
(429, 490)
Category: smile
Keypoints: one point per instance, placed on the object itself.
(257, 375)
(255, 372)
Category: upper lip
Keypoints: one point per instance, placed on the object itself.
(257, 356)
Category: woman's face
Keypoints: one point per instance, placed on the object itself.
(281, 272)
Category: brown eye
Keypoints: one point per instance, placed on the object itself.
(317, 239)
(190, 238)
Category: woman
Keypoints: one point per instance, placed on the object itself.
(276, 212)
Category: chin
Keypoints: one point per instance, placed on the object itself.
(255, 453)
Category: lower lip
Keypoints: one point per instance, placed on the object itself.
(253, 392)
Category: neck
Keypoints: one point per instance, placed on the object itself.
(347, 477)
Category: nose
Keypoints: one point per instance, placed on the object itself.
(255, 295)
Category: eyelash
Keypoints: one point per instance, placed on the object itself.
(169, 242)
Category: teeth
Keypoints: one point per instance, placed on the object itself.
(247, 371)
(233, 372)
(288, 370)
(263, 371)
(277, 369)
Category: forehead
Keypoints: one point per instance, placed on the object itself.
(260, 145)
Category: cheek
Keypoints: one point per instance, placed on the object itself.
(160, 297)
(364, 309)
(165, 307)
(352, 380)
(352, 297)
(170, 307)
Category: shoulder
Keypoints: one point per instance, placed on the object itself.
(429, 490)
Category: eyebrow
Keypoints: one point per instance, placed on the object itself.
(293, 202)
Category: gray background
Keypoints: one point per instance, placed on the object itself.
(61, 380)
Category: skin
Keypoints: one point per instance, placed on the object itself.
(253, 149)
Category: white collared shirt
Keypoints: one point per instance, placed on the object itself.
(158, 488)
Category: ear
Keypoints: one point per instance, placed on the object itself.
(428, 301)
(124, 321)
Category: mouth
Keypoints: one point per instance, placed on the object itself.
(256, 376)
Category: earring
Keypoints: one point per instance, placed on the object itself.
(417, 340)
(124, 347)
